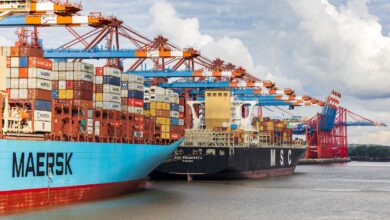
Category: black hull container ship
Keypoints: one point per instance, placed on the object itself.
(255, 147)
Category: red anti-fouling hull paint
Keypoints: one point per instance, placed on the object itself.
(13, 201)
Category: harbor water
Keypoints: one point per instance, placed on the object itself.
(357, 190)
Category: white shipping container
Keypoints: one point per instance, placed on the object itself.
(124, 77)
(15, 61)
(147, 99)
(62, 84)
(69, 66)
(7, 72)
(23, 93)
(181, 108)
(97, 124)
(42, 126)
(7, 83)
(14, 93)
(168, 92)
(40, 73)
(90, 130)
(124, 93)
(153, 97)
(61, 75)
(55, 76)
(14, 83)
(146, 90)
(42, 116)
(6, 51)
(90, 122)
(97, 131)
(112, 106)
(98, 104)
(136, 79)
(174, 114)
(181, 121)
(39, 84)
(112, 89)
(14, 72)
(110, 97)
(135, 110)
(22, 83)
(62, 66)
(83, 67)
(55, 66)
(157, 90)
(84, 76)
(98, 79)
(136, 86)
(69, 75)
(124, 108)
(109, 71)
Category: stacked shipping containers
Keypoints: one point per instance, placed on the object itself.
(107, 89)
(164, 104)
(29, 81)
(75, 94)
(278, 130)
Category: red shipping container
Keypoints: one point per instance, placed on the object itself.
(83, 103)
(163, 113)
(23, 72)
(39, 94)
(175, 136)
(54, 84)
(83, 95)
(139, 118)
(181, 115)
(69, 84)
(99, 71)
(139, 127)
(83, 85)
(40, 63)
(124, 101)
(178, 129)
(99, 89)
(15, 51)
(136, 103)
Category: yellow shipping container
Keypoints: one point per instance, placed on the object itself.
(61, 94)
(261, 128)
(69, 94)
(261, 119)
(147, 112)
(153, 105)
(280, 125)
(270, 124)
(217, 108)
(153, 112)
(165, 128)
(160, 106)
(99, 97)
(165, 135)
(167, 106)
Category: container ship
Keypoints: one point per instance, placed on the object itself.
(72, 132)
(228, 143)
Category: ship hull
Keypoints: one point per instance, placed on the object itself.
(229, 163)
(37, 174)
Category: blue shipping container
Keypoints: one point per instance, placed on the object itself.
(23, 62)
(175, 107)
(134, 94)
(42, 105)
(112, 80)
(54, 94)
(233, 126)
(147, 106)
(174, 121)
(125, 85)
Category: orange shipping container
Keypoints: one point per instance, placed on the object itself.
(40, 63)
(14, 51)
(23, 72)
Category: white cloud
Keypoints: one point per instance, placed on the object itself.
(348, 47)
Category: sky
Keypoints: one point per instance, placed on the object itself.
(312, 46)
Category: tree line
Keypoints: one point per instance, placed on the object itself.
(370, 152)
